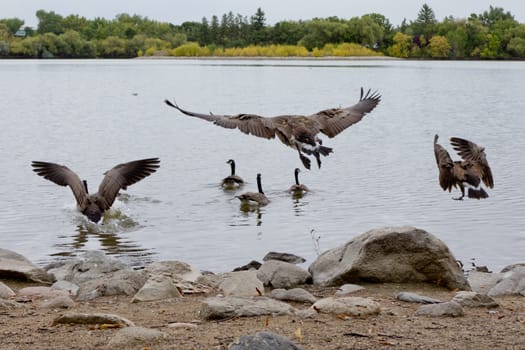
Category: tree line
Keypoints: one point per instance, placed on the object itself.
(493, 34)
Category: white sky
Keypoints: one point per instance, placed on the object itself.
(178, 11)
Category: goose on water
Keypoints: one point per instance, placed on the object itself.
(232, 180)
(258, 198)
(94, 205)
(298, 187)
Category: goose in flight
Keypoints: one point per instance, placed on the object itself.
(232, 180)
(297, 131)
(94, 205)
(470, 171)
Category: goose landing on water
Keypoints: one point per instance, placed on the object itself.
(258, 198)
(232, 181)
(298, 187)
(94, 205)
(470, 171)
(297, 131)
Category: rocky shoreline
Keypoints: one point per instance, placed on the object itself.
(389, 287)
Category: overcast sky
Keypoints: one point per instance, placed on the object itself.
(178, 11)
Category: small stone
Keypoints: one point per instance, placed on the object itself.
(348, 288)
(350, 306)
(449, 308)
(416, 298)
(286, 257)
(296, 294)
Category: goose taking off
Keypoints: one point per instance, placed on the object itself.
(94, 205)
(232, 180)
(470, 171)
(297, 187)
(255, 197)
(297, 131)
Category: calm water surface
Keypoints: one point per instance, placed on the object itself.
(92, 115)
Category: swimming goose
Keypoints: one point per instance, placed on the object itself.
(255, 197)
(297, 131)
(470, 171)
(94, 205)
(297, 187)
(232, 180)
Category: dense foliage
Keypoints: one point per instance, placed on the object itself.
(493, 34)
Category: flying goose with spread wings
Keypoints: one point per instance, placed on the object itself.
(94, 205)
(470, 171)
(297, 131)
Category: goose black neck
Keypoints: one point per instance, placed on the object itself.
(297, 177)
(85, 186)
(232, 165)
(259, 186)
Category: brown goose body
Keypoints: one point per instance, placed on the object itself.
(232, 180)
(258, 198)
(470, 171)
(298, 187)
(115, 179)
(297, 131)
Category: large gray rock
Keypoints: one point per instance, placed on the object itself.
(280, 274)
(263, 341)
(136, 338)
(91, 265)
(219, 308)
(391, 254)
(348, 306)
(157, 288)
(513, 282)
(14, 265)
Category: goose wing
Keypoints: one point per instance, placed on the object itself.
(469, 151)
(63, 176)
(334, 120)
(124, 175)
(445, 166)
(247, 123)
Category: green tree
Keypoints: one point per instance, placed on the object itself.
(257, 27)
(49, 22)
(516, 47)
(425, 22)
(12, 24)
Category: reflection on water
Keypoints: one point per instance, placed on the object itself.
(106, 235)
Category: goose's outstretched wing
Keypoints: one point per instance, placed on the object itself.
(469, 151)
(334, 120)
(63, 176)
(445, 166)
(247, 123)
(124, 175)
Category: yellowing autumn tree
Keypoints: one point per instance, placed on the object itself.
(439, 47)
(401, 46)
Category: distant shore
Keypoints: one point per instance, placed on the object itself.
(269, 58)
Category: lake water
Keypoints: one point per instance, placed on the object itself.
(93, 114)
